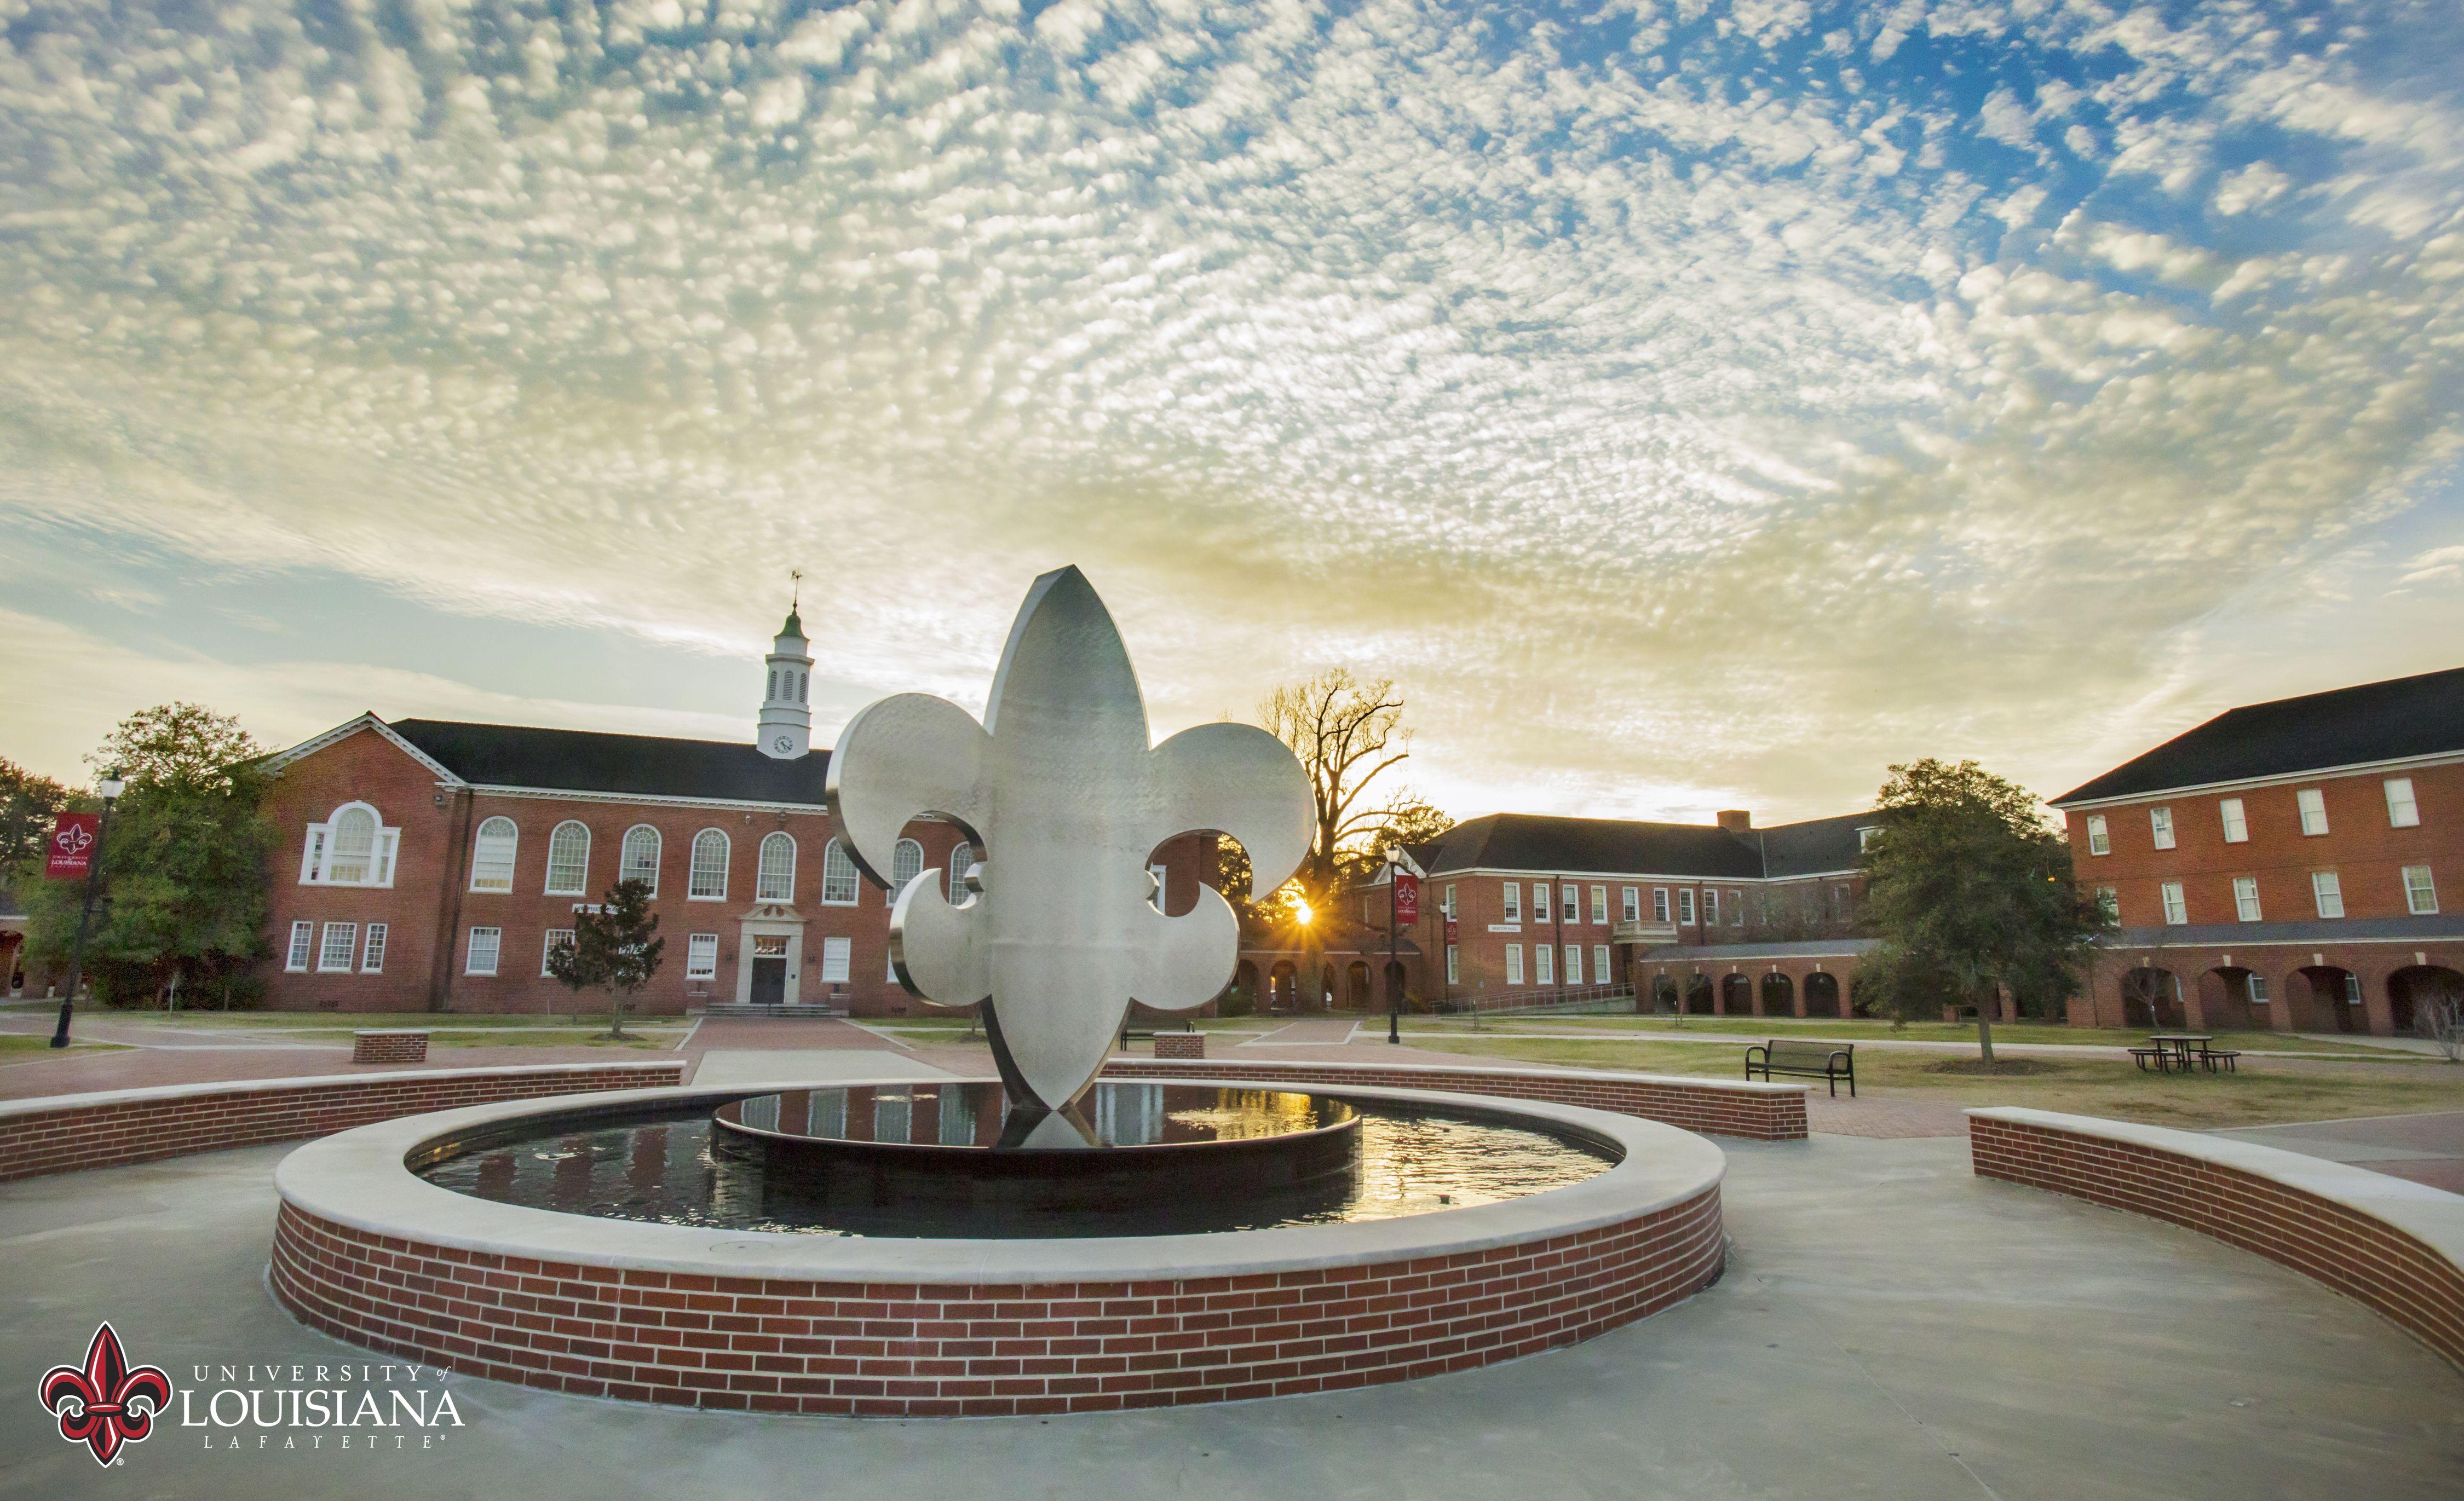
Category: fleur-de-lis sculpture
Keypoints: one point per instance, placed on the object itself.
(1057, 924)
(108, 1403)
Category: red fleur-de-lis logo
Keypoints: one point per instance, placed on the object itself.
(73, 839)
(109, 1403)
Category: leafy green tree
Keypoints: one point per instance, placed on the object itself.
(615, 949)
(1971, 892)
(184, 867)
(28, 801)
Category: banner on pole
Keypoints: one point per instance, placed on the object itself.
(1407, 898)
(1452, 932)
(71, 851)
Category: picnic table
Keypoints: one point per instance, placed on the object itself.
(2185, 1050)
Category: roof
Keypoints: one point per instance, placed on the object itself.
(634, 765)
(2390, 720)
(1626, 846)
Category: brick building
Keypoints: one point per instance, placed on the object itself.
(425, 865)
(2290, 865)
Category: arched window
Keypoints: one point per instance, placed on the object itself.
(838, 877)
(708, 881)
(777, 878)
(351, 848)
(355, 847)
(962, 856)
(906, 864)
(492, 855)
(568, 859)
(639, 859)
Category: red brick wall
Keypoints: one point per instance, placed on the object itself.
(389, 1047)
(2356, 1253)
(1180, 1045)
(969, 1350)
(78, 1132)
(1707, 1106)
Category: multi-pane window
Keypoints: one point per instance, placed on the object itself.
(481, 957)
(2328, 892)
(303, 942)
(556, 937)
(776, 879)
(2177, 909)
(2313, 804)
(492, 855)
(1711, 906)
(906, 864)
(2160, 821)
(568, 859)
(1685, 905)
(355, 848)
(1660, 903)
(1600, 964)
(701, 956)
(706, 879)
(2237, 823)
(1454, 968)
(1633, 907)
(835, 952)
(1574, 964)
(2403, 812)
(1569, 902)
(1513, 908)
(1544, 962)
(2420, 892)
(1540, 901)
(961, 858)
(341, 943)
(351, 849)
(372, 961)
(1448, 910)
(2098, 841)
(839, 878)
(639, 861)
(1599, 904)
(2254, 989)
(1161, 875)
(2109, 902)
(2246, 898)
(1514, 964)
(1736, 908)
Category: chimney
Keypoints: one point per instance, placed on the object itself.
(1736, 820)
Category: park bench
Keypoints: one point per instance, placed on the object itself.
(1131, 1030)
(1823, 1060)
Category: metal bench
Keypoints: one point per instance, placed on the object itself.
(1823, 1060)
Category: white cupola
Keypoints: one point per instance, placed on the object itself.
(786, 714)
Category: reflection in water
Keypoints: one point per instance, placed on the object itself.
(662, 1169)
(982, 1115)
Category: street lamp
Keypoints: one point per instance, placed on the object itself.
(111, 787)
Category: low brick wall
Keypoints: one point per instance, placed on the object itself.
(71, 1133)
(389, 1047)
(1758, 1112)
(2392, 1244)
(1180, 1045)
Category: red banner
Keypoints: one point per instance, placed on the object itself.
(1452, 932)
(72, 846)
(1407, 898)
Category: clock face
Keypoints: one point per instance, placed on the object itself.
(782, 743)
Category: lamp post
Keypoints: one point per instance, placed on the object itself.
(111, 787)
(1394, 991)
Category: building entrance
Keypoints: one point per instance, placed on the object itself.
(769, 968)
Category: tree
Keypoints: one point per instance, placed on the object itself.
(1970, 893)
(1345, 733)
(615, 948)
(184, 869)
(1407, 820)
(28, 801)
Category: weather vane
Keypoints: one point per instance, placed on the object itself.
(796, 589)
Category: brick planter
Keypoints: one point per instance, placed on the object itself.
(2392, 1244)
(389, 1047)
(1759, 1112)
(886, 1327)
(1180, 1045)
(70, 1133)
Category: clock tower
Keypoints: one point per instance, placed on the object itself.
(786, 715)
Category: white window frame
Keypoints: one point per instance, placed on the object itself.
(2177, 905)
(303, 949)
(1570, 904)
(897, 881)
(1543, 908)
(470, 951)
(764, 888)
(1736, 908)
(2246, 906)
(480, 847)
(701, 956)
(1448, 910)
(627, 846)
(2109, 902)
(1600, 905)
(1512, 910)
(1574, 964)
(1161, 873)
(1454, 965)
(693, 872)
(372, 949)
(581, 883)
(2099, 840)
(1711, 906)
(2235, 819)
(2404, 809)
(837, 955)
(2255, 987)
(2313, 804)
(1600, 964)
(841, 881)
(1633, 907)
(962, 856)
(548, 947)
(1660, 903)
(2159, 824)
(1514, 964)
(327, 961)
(2327, 893)
(316, 850)
(2420, 891)
(1544, 963)
(1684, 906)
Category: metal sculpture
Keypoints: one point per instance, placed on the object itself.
(1063, 799)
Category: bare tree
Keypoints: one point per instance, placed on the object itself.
(2438, 1014)
(1346, 733)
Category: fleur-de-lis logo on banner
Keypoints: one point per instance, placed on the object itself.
(1057, 926)
(74, 839)
(109, 1403)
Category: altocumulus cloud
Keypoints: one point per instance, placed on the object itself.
(1686, 401)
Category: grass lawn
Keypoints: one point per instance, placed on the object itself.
(18, 1046)
(444, 1029)
(2035, 1034)
(2263, 1093)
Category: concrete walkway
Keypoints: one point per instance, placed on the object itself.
(1890, 1327)
(2428, 1148)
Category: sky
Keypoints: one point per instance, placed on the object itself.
(1689, 406)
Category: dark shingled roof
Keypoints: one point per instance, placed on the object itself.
(1533, 842)
(2386, 721)
(637, 766)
